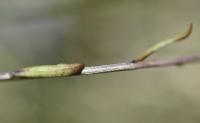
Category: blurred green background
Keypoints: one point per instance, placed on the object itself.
(35, 32)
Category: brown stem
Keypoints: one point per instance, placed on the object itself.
(124, 66)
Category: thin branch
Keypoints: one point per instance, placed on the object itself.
(60, 70)
(164, 43)
(121, 66)
(141, 65)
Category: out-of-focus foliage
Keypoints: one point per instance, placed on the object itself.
(34, 32)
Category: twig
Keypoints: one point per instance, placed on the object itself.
(140, 65)
(164, 43)
(59, 70)
(121, 66)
